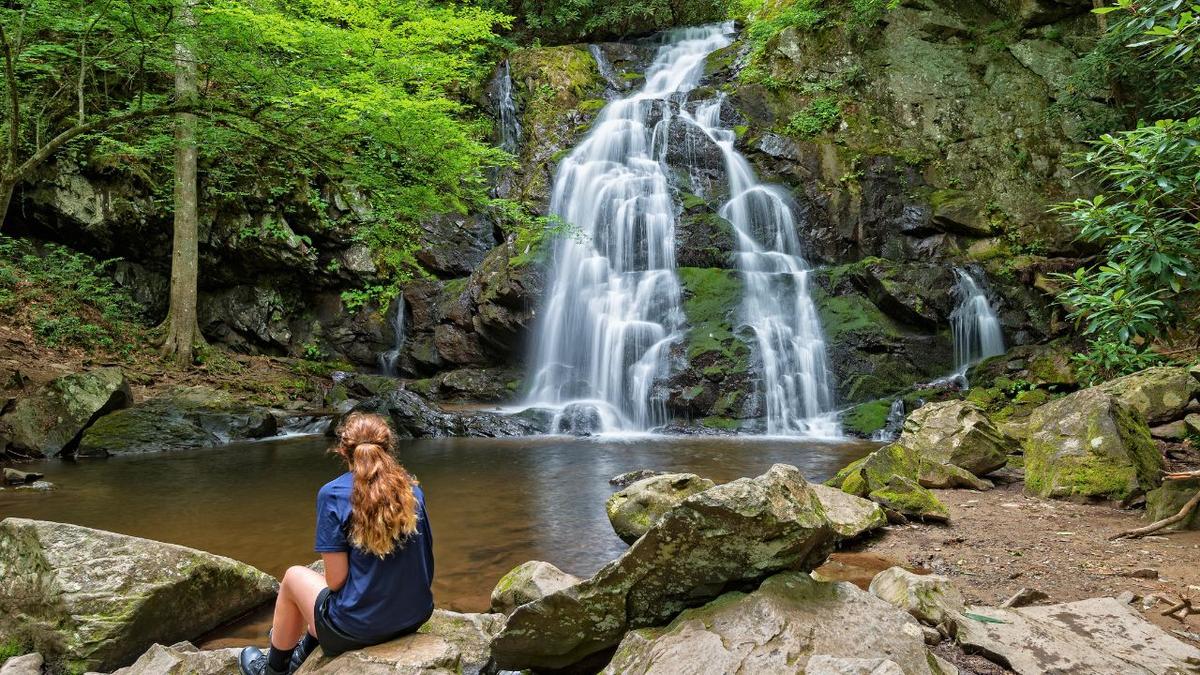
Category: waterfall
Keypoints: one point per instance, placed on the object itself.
(389, 359)
(606, 70)
(794, 372)
(614, 307)
(894, 424)
(506, 107)
(977, 333)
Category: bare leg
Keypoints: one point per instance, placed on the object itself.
(295, 606)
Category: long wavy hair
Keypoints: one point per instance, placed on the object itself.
(383, 508)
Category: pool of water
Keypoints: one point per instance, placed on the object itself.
(493, 503)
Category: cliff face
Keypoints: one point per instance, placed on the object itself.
(932, 139)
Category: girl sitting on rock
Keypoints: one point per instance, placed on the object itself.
(374, 537)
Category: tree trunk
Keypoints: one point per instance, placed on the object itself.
(6, 193)
(182, 327)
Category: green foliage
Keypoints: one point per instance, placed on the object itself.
(531, 235)
(1107, 358)
(566, 20)
(67, 298)
(821, 115)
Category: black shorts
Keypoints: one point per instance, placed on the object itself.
(334, 641)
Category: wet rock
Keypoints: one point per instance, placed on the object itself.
(1099, 635)
(638, 507)
(1169, 499)
(1160, 394)
(791, 624)
(850, 516)
(94, 600)
(184, 659)
(527, 582)
(1026, 596)
(579, 419)
(414, 417)
(453, 245)
(930, 599)
(958, 433)
(29, 664)
(704, 239)
(185, 417)
(17, 477)
(727, 535)
(630, 477)
(50, 420)
(38, 486)
(448, 644)
(1089, 445)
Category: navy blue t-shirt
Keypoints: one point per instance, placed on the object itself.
(381, 596)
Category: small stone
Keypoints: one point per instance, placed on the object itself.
(630, 477)
(1143, 573)
(1150, 601)
(932, 635)
(1127, 597)
(15, 477)
(1023, 597)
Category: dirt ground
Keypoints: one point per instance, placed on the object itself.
(1000, 541)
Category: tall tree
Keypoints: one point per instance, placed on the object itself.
(183, 332)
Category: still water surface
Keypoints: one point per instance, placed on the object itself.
(493, 503)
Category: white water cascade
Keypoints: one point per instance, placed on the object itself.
(389, 358)
(976, 327)
(508, 122)
(796, 388)
(613, 306)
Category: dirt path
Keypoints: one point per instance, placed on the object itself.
(1001, 541)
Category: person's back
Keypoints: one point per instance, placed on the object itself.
(374, 537)
(382, 595)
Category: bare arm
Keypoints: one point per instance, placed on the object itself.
(337, 568)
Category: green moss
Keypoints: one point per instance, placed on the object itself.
(712, 298)
(591, 106)
(867, 418)
(821, 115)
(906, 496)
(722, 423)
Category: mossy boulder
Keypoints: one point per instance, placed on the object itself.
(1167, 500)
(1043, 365)
(527, 582)
(51, 418)
(790, 624)
(958, 433)
(635, 509)
(889, 476)
(1159, 394)
(850, 516)
(449, 643)
(94, 600)
(1090, 445)
(930, 599)
(907, 497)
(184, 417)
(731, 534)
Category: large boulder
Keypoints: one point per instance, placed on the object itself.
(850, 516)
(1160, 394)
(448, 644)
(1090, 445)
(94, 600)
(527, 582)
(51, 419)
(929, 598)
(638, 507)
(184, 659)
(782, 627)
(729, 535)
(890, 477)
(958, 433)
(185, 417)
(1098, 635)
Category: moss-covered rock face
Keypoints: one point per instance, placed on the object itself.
(1044, 365)
(1159, 394)
(50, 420)
(527, 582)
(636, 508)
(958, 433)
(87, 615)
(1089, 445)
(813, 627)
(767, 524)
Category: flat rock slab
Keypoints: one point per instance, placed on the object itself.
(1098, 635)
(184, 659)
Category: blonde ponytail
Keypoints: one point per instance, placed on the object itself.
(383, 508)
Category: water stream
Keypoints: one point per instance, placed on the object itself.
(613, 308)
(389, 359)
(977, 333)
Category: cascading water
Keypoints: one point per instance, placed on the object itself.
(506, 108)
(894, 424)
(976, 327)
(795, 383)
(389, 359)
(613, 307)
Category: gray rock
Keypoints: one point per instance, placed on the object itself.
(958, 433)
(931, 599)
(414, 417)
(17, 477)
(1099, 635)
(185, 417)
(727, 535)
(184, 659)
(630, 477)
(448, 644)
(1089, 445)
(29, 664)
(527, 582)
(783, 627)
(1171, 431)
(52, 418)
(1159, 394)
(850, 516)
(95, 600)
(1025, 596)
(635, 509)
